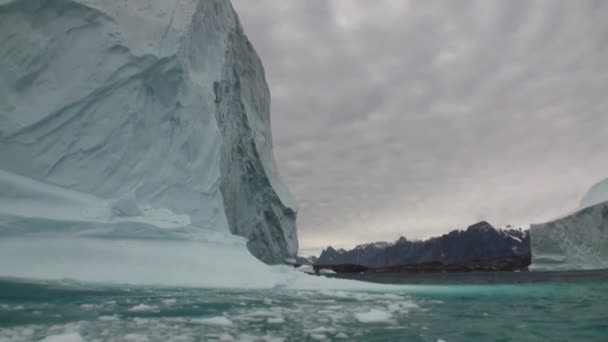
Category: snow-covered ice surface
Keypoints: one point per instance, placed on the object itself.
(576, 242)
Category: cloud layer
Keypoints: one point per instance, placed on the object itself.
(413, 118)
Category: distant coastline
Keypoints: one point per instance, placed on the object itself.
(479, 248)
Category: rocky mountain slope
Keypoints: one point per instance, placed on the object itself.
(480, 241)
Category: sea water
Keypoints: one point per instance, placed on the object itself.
(481, 308)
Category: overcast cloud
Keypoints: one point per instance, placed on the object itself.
(394, 117)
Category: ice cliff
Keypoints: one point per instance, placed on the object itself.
(139, 119)
(578, 241)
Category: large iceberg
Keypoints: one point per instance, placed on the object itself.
(578, 241)
(127, 124)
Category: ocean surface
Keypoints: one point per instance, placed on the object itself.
(474, 307)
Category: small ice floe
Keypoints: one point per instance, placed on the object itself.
(275, 320)
(334, 307)
(144, 308)
(341, 335)
(70, 337)
(323, 330)
(90, 306)
(273, 312)
(226, 337)
(108, 318)
(318, 337)
(136, 338)
(218, 320)
(373, 316)
(169, 301)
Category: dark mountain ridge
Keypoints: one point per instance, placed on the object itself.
(478, 242)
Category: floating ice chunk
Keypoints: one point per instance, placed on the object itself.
(276, 320)
(263, 313)
(108, 318)
(267, 338)
(226, 337)
(318, 337)
(144, 308)
(335, 307)
(69, 337)
(373, 316)
(90, 306)
(323, 330)
(219, 321)
(136, 338)
(170, 301)
(341, 335)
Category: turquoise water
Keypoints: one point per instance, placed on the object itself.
(538, 311)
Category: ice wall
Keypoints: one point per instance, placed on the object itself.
(139, 118)
(576, 242)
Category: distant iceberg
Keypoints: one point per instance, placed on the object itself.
(578, 241)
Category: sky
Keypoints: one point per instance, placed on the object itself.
(412, 118)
